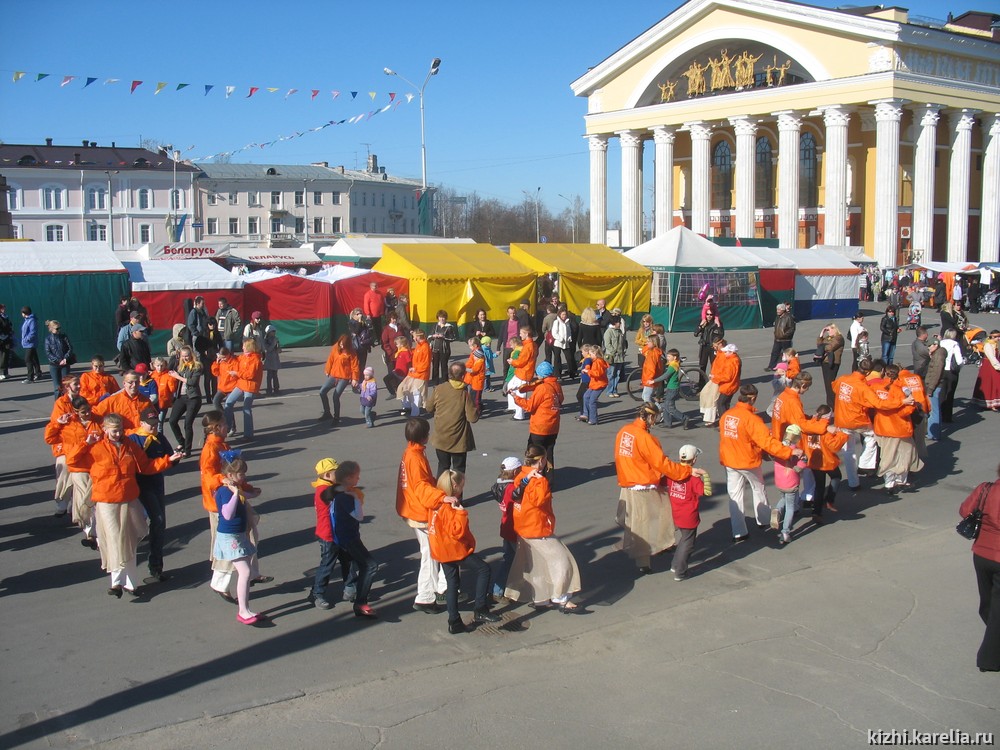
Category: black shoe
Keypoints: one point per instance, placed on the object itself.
(645, 570)
(157, 576)
(135, 593)
(318, 601)
(457, 626)
(741, 538)
(89, 542)
(484, 615)
(687, 423)
(115, 591)
(430, 609)
(324, 417)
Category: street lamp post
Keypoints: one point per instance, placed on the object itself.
(435, 67)
(572, 207)
(538, 227)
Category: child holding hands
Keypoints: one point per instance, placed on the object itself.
(232, 537)
(684, 497)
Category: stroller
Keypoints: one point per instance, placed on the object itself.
(975, 337)
(913, 315)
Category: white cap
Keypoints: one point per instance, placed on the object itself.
(689, 452)
(510, 463)
(730, 349)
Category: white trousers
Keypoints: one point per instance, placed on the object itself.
(737, 481)
(858, 442)
(512, 386)
(430, 577)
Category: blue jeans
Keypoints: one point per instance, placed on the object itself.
(888, 351)
(329, 553)
(590, 404)
(500, 580)
(369, 413)
(934, 418)
(787, 502)
(57, 373)
(670, 406)
(615, 372)
(337, 385)
(235, 396)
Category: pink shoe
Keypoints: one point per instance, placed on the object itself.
(252, 620)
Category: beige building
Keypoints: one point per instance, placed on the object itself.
(859, 126)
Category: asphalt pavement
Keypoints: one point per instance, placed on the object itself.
(868, 623)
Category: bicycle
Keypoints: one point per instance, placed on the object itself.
(690, 379)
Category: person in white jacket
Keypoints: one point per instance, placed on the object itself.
(563, 344)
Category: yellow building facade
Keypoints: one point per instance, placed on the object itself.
(809, 125)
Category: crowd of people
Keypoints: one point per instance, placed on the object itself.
(111, 452)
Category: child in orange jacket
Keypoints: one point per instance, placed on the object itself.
(249, 371)
(597, 372)
(452, 544)
(475, 372)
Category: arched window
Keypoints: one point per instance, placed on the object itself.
(808, 182)
(722, 176)
(97, 198)
(145, 198)
(764, 174)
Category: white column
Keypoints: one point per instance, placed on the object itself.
(701, 162)
(789, 128)
(663, 186)
(631, 143)
(923, 179)
(746, 150)
(989, 228)
(888, 113)
(836, 120)
(598, 188)
(959, 168)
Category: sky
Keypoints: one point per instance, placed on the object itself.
(500, 118)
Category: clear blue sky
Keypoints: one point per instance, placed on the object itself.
(500, 116)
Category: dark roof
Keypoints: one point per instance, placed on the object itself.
(86, 157)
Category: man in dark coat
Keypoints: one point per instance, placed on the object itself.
(454, 414)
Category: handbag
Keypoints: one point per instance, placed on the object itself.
(969, 526)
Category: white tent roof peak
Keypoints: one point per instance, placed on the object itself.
(682, 248)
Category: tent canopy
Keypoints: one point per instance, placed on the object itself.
(458, 278)
(348, 287)
(854, 253)
(777, 279)
(826, 283)
(368, 250)
(163, 275)
(589, 272)
(686, 267)
(298, 307)
(274, 256)
(77, 283)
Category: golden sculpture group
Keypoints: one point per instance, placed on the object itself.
(727, 72)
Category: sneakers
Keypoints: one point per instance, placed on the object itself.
(775, 518)
(740, 538)
(785, 538)
(440, 599)
(678, 576)
(484, 615)
(318, 601)
(349, 594)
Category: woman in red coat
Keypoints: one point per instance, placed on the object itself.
(986, 561)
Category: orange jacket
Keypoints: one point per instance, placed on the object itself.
(544, 403)
(210, 464)
(726, 373)
(251, 371)
(794, 368)
(226, 382)
(113, 469)
(788, 410)
(524, 363)
(128, 408)
(341, 364)
(475, 372)
(744, 437)
(60, 407)
(916, 385)
(652, 365)
(822, 450)
(639, 459)
(449, 534)
(893, 422)
(95, 386)
(853, 397)
(416, 493)
(165, 386)
(598, 371)
(533, 516)
(72, 438)
(420, 367)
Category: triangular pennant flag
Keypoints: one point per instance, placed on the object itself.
(111, 80)
(90, 80)
(40, 76)
(18, 75)
(253, 90)
(271, 90)
(392, 96)
(315, 93)
(135, 85)
(208, 87)
(354, 94)
(229, 91)
(335, 94)
(290, 92)
(409, 98)
(67, 79)
(181, 86)
(372, 95)
(159, 87)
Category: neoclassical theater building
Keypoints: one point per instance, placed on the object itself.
(856, 126)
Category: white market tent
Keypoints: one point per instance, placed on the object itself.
(367, 250)
(826, 283)
(854, 253)
(165, 275)
(269, 257)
